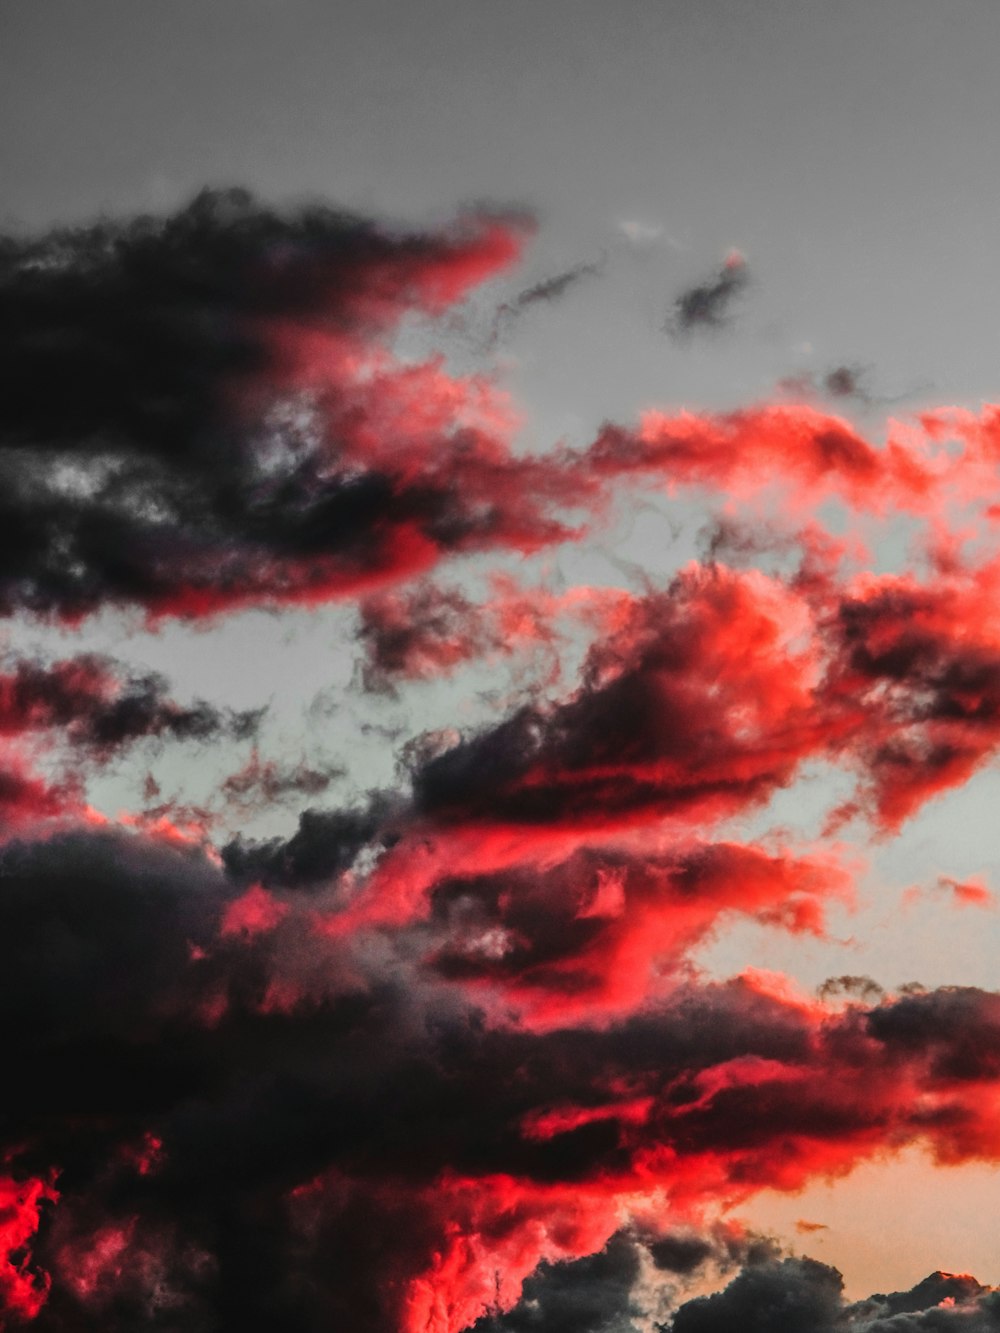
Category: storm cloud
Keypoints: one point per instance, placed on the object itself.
(442, 1053)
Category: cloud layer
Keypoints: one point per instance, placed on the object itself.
(440, 1056)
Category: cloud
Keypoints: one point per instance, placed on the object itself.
(844, 382)
(708, 305)
(922, 659)
(266, 782)
(216, 1092)
(454, 1031)
(326, 843)
(427, 631)
(588, 1296)
(546, 291)
(594, 934)
(802, 1294)
(807, 454)
(672, 720)
(96, 705)
(609, 1290)
(652, 731)
(206, 412)
(968, 892)
(421, 633)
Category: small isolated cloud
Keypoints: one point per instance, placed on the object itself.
(967, 893)
(640, 233)
(971, 892)
(266, 782)
(861, 988)
(708, 305)
(544, 292)
(843, 383)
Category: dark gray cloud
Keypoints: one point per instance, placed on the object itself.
(546, 291)
(96, 703)
(224, 1093)
(325, 843)
(614, 1292)
(182, 426)
(804, 1296)
(846, 382)
(591, 1295)
(708, 306)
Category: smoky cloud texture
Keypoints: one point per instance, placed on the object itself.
(213, 1095)
(95, 704)
(708, 306)
(441, 1056)
(204, 411)
(547, 291)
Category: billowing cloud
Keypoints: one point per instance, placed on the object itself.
(614, 1289)
(217, 1092)
(595, 933)
(805, 1296)
(441, 1056)
(672, 719)
(205, 411)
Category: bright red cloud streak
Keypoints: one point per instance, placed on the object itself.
(22, 1289)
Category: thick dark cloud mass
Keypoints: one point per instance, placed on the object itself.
(605, 1294)
(441, 1057)
(672, 719)
(804, 1296)
(796, 1295)
(213, 1094)
(203, 411)
(592, 1295)
(618, 1288)
(325, 843)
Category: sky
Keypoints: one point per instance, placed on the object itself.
(500, 666)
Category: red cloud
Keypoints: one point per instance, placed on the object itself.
(456, 1031)
(23, 1288)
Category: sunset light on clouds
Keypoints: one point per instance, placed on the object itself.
(500, 674)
